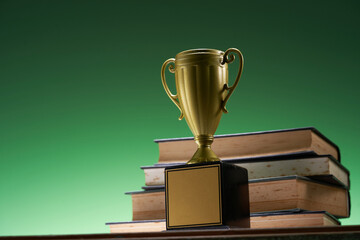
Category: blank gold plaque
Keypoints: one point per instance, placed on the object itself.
(193, 196)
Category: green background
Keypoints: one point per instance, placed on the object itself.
(81, 98)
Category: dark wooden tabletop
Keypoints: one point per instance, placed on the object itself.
(333, 232)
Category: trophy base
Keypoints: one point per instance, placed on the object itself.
(206, 195)
(203, 155)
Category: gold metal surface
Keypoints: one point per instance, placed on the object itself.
(201, 77)
(191, 201)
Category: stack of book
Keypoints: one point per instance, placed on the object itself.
(296, 179)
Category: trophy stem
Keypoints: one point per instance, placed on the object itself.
(204, 153)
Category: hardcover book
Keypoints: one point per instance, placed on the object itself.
(267, 220)
(298, 141)
(265, 195)
(322, 168)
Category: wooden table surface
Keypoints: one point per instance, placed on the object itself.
(333, 232)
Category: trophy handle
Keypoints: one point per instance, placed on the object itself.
(167, 90)
(229, 58)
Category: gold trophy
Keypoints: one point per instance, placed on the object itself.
(205, 192)
(201, 77)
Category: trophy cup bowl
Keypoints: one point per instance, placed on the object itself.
(201, 78)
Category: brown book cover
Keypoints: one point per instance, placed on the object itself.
(295, 218)
(297, 141)
(266, 195)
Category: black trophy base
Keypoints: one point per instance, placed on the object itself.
(206, 195)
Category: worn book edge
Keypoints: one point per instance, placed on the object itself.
(313, 129)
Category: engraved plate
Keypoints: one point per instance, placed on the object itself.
(193, 196)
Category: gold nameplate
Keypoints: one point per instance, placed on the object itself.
(193, 196)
